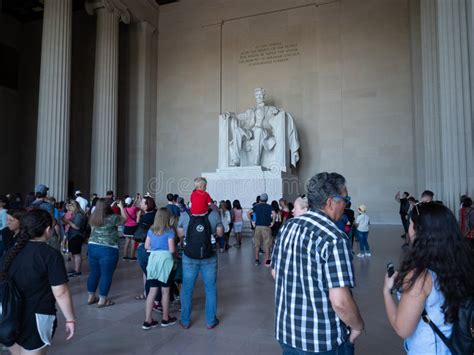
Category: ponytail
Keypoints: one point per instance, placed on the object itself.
(32, 225)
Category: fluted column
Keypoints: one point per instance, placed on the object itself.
(431, 115)
(104, 122)
(52, 148)
(455, 99)
(447, 84)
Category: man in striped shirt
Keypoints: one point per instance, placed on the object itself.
(315, 312)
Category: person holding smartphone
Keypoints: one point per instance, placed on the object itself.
(436, 276)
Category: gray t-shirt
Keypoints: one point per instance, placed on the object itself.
(214, 221)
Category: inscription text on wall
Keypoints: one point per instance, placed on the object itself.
(268, 53)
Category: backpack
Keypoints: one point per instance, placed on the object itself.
(461, 341)
(10, 311)
(198, 238)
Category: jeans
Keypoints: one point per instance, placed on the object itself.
(405, 222)
(343, 349)
(102, 264)
(142, 259)
(191, 269)
(363, 242)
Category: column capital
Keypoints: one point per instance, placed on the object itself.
(115, 6)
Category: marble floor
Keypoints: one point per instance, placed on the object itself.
(245, 310)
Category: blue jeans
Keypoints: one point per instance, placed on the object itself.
(102, 264)
(142, 259)
(343, 349)
(363, 241)
(191, 269)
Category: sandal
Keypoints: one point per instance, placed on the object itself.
(140, 297)
(107, 303)
(93, 300)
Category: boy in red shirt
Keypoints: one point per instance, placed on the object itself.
(200, 199)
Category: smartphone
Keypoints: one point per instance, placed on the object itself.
(390, 269)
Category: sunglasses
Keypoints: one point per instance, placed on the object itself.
(346, 199)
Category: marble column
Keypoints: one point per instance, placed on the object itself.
(104, 122)
(447, 98)
(431, 116)
(455, 100)
(52, 153)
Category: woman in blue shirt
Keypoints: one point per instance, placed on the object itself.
(160, 241)
(435, 275)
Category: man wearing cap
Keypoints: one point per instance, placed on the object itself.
(41, 202)
(81, 200)
(262, 212)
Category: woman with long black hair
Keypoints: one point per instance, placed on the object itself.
(39, 273)
(436, 275)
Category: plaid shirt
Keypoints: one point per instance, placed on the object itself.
(311, 256)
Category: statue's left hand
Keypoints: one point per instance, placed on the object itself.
(296, 155)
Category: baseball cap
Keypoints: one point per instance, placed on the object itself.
(362, 208)
(264, 197)
(128, 200)
(78, 192)
(41, 189)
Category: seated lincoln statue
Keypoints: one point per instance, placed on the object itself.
(262, 136)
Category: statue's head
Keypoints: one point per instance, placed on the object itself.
(259, 95)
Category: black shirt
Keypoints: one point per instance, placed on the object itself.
(35, 269)
(404, 206)
(147, 219)
(263, 212)
(8, 238)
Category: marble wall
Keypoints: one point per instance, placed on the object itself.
(349, 88)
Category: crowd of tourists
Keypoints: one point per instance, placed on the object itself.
(307, 244)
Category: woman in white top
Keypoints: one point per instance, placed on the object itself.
(435, 275)
(362, 224)
(226, 220)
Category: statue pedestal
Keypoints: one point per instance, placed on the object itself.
(246, 183)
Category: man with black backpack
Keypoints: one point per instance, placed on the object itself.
(199, 257)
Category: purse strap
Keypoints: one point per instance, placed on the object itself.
(437, 331)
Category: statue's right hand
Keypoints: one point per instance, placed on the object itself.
(225, 115)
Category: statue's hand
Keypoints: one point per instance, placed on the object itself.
(296, 155)
(225, 115)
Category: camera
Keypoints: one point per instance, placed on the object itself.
(390, 269)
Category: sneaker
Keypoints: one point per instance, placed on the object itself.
(125, 258)
(268, 263)
(257, 262)
(158, 308)
(167, 323)
(368, 254)
(71, 274)
(214, 325)
(360, 255)
(148, 326)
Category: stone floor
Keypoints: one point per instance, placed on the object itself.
(245, 309)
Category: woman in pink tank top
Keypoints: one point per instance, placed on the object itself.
(130, 226)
